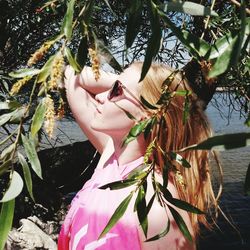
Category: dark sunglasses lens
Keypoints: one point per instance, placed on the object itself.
(115, 91)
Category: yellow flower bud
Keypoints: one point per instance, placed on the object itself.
(19, 84)
(49, 123)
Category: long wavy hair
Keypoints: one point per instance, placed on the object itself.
(197, 189)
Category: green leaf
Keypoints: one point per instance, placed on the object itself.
(185, 206)
(72, 60)
(222, 142)
(5, 118)
(31, 153)
(38, 117)
(9, 105)
(7, 151)
(119, 184)
(141, 208)
(119, 212)
(224, 61)
(221, 45)
(45, 70)
(27, 174)
(161, 234)
(138, 128)
(190, 8)
(109, 57)
(24, 72)
(134, 21)
(6, 218)
(15, 188)
(67, 26)
(154, 42)
(180, 159)
(180, 223)
(138, 173)
(82, 52)
(196, 46)
(247, 182)
(17, 115)
(5, 166)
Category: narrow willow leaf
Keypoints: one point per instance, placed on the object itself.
(9, 105)
(180, 159)
(30, 150)
(141, 208)
(190, 8)
(138, 128)
(110, 59)
(161, 234)
(221, 45)
(149, 127)
(8, 137)
(180, 223)
(119, 184)
(196, 46)
(15, 187)
(45, 70)
(82, 52)
(4, 118)
(185, 206)
(72, 60)
(119, 212)
(107, 3)
(224, 61)
(66, 28)
(222, 142)
(129, 115)
(24, 72)
(134, 22)
(17, 115)
(138, 173)
(5, 166)
(6, 218)
(27, 174)
(38, 117)
(147, 104)
(128, 139)
(7, 151)
(154, 42)
(150, 203)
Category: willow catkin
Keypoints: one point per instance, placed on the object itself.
(38, 55)
(50, 118)
(19, 84)
(95, 61)
(56, 72)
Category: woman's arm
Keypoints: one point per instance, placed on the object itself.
(80, 91)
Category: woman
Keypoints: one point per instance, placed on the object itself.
(101, 109)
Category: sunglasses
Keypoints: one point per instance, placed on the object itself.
(116, 92)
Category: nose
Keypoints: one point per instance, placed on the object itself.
(101, 97)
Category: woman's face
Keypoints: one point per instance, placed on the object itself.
(109, 116)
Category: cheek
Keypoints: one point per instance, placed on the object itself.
(112, 119)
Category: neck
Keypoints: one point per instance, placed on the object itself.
(132, 151)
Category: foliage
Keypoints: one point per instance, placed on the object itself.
(164, 31)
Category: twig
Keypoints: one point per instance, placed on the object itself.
(238, 5)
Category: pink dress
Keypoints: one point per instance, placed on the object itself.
(92, 208)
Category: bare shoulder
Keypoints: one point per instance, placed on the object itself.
(158, 219)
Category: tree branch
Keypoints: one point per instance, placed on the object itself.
(238, 5)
